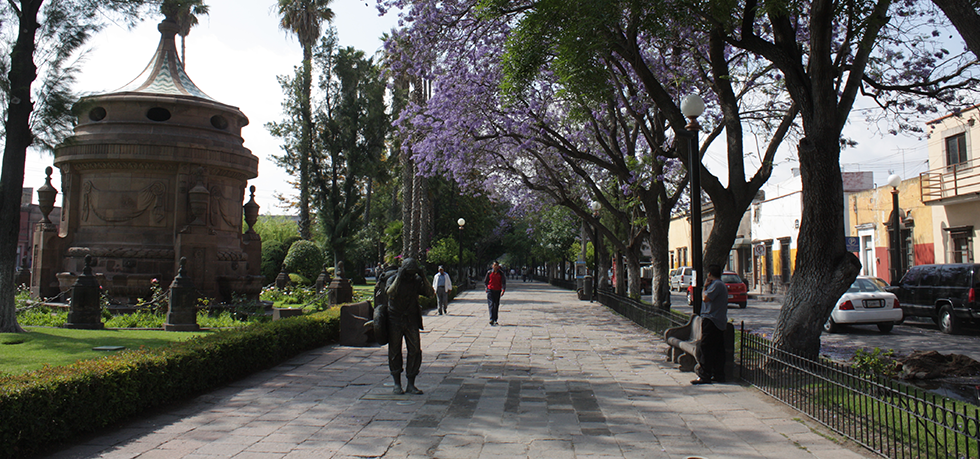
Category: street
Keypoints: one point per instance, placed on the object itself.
(915, 334)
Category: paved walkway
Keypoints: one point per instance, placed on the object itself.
(558, 378)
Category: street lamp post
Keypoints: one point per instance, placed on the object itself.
(895, 268)
(459, 265)
(595, 250)
(692, 107)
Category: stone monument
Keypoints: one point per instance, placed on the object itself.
(155, 171)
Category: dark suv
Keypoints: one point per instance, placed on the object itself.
(947, 293)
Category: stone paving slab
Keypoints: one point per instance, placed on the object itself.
(557, 378)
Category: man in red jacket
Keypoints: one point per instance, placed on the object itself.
(496, 284)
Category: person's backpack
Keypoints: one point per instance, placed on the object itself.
(381, 306)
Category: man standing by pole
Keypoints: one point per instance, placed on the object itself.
(714, 319)
(405, 321)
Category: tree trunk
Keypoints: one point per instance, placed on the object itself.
(633, 273)
(19, 137)
(408, 199)
(964, 17)
(425, 214)
(825, 268)
(660, 265)
(306, 142)
(718, 247)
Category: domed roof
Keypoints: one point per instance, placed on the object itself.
(165, 73)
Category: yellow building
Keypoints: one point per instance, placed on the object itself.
(870, 214)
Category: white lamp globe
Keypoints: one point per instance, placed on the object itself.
(692, 106)
(461, 222)
(894, 180)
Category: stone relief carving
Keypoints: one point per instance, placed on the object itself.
(118, 206)
(220, 212)
(117, 252)
(124, 165)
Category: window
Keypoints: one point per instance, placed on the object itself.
(960, 247)
(956, 149)
(868, 256)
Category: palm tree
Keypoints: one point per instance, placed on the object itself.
(184, 13)
(305, 18)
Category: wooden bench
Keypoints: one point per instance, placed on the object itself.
(683, 343)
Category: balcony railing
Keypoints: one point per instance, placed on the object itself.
(957, 181)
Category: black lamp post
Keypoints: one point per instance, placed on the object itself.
(459, 265)
(692, 107)
(895, 266)
(595, 250)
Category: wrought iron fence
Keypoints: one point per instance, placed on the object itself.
(888, 417)
(646, 315)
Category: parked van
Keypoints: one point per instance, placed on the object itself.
(947, 293)
(680, 278)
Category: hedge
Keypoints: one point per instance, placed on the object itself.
(54, 404)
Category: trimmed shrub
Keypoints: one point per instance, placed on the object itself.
(304, 258)
(51, 405)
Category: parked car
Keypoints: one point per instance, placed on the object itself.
(879, 282)
(738, 291)
(865, 303)
(945, 292)
(680, 278)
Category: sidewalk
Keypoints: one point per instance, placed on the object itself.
(558, 378)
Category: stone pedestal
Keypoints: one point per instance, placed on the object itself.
(340, 291)
(86, 305)
(282, 280)
(321, 281)
(182, 313)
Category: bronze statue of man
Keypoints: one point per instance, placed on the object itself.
(405, 321)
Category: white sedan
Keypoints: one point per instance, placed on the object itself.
(865, 303)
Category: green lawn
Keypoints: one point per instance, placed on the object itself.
(24, 352)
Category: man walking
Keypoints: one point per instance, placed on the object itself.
(404, 322)
(714, 318)
(442, 284)
(496, 283)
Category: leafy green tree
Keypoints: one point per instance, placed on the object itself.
(352, 125)
(278, 233)
(36, 116)
(305, 19)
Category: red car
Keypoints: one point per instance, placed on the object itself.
(737, 290)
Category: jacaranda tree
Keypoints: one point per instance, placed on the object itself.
(580, 102)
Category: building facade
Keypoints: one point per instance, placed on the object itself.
(952, 186)
(871, 214)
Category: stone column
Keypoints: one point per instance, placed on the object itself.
(46, 256)
(251, 241)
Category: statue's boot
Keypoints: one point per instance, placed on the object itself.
(397, 390)
(411, 389)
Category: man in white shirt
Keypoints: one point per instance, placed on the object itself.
(442, 284)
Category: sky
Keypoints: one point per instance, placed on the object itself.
(235, 54)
